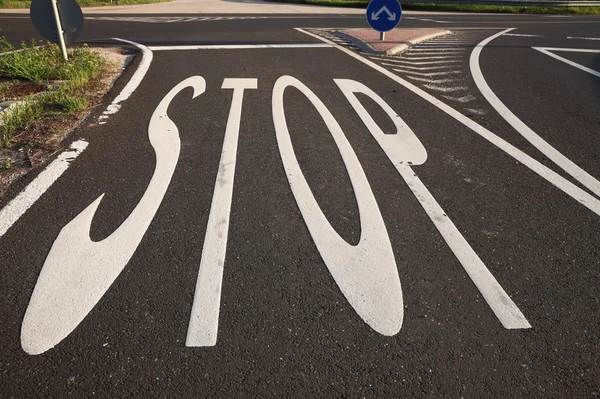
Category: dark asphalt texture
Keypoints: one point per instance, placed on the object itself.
(285, 328)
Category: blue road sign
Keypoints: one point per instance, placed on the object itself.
(384, 15)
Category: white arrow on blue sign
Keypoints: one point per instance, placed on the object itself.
(384, 15)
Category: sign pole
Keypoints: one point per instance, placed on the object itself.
(59, 32)
(382, 36)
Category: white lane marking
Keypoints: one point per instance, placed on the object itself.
(415, 68)
(366, 273)
(445, 89)
(20, 204)
(436, 52)
(407, 62)
(409, 150)
(542, 145)
(434, 81)
(579, 195)
(479, 112)
(438, 49)
(447, 57)
(427, 73)
(544, 50)
(238, 46)
(583, 38)
(34, 190)
(204, 320)
(521, 35)
(569, 50)
(78, 271)
(462, 100)
(133, 83)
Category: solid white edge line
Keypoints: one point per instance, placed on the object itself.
(583, 38)
(571, 50)
(34, 190)
(521, 35)
(567, 61)
(497, 299)
(139, 73)
(237, 46)
(542, 145)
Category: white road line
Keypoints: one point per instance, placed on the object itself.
(462, 100)
(34, 190)
(569, 62)
(24, 200)
(448, 57)
(583, 38)
(407, 62)
(535, 166)
(427, 73)
(445, 89)
(416, 68)
(133, 83)
(543, 146)
(569, 50)
(238, 46)
(204, 320)
(433, 81)
(521, 35)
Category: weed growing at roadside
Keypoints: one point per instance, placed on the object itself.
(38, 62)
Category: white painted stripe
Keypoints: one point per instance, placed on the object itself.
(462, 100)
(434, 53)
(567, 61)
(133, 83)
(433, 81)
(417, 68)
(445, 89)
(407, 62)
(427, 73)
(26, 198)
(542, 145)
(238, 46)
(204, 320)
(583, 38)
(447, 57)
(546, 173)
(521, 35)
(569, 50)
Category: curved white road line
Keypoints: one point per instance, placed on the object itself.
(542, 145)
(133, 83)
(78, 272)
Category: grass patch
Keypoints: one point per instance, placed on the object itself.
(39, 63)
(82, 3)
(456, 7)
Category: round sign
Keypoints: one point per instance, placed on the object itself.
(384, 15)
(71, 18)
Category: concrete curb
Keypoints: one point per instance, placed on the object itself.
(366, 48)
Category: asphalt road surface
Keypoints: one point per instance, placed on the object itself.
(305, 220)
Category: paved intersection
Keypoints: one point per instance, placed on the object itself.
(305, 220)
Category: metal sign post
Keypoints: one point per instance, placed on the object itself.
(59, 21)
(59, 31)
